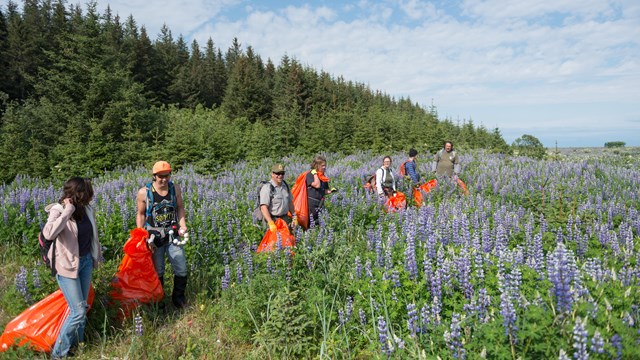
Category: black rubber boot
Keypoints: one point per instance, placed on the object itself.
(179, 286)
(161, 278)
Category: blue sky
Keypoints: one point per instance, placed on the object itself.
(565, 71)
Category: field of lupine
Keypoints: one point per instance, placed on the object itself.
(540, 261)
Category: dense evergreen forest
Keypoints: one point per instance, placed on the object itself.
(82, 92)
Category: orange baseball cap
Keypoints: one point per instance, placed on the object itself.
(161, 167)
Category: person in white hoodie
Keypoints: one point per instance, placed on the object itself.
(72, 223)
(385, 179)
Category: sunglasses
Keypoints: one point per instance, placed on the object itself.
(280, 173)
(163, 176)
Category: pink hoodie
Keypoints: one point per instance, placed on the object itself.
(62, 227)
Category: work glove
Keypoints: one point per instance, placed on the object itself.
(333, 189)
(272, 226)
(314, 171)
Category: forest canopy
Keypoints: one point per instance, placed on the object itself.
(82, 92)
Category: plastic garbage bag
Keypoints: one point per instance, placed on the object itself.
(270, 239)
(39, 326)
(301, 201)
(136, 281)
(396, 202)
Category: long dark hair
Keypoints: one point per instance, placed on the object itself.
(80, 191)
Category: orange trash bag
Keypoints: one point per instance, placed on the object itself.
(422, 190)
(39, 326)
(301, 201)
(136, 281)
(270, 239)
(463, 186)
(396, 202)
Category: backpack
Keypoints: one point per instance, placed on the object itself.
(45, 244)
(402, 169)
(149, 199)
(256, 216)
(441, 151)
(370, 182)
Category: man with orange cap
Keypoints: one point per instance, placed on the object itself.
(160, 209)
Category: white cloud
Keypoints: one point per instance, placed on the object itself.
(492, 56)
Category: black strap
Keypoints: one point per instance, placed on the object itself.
(53, 257)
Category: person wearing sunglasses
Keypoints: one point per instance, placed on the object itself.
(276, 200)
(160, 209)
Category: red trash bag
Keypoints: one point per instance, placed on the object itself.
(136, 281)
(39, 326)
(270, 239)
(422, 190)
(301, 201)
(396, 202)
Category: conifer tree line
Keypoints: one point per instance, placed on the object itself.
(82, 92)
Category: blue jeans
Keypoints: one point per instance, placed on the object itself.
(75, 292)
(176, 257)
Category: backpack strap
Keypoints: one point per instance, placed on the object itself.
(151, 190)
(149, 198)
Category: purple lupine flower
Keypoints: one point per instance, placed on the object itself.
(482, 306)
(563, 355)
(139, 329)
(513, 281)
(427, 269)
(597, 343)
(388, 257)
(21, 285)
(393, 235)
(412, 319)
(463, 265)
(341, 318)
(36, 279)
(453, 338)
(436, 283)
(616, 342)
(269, 265)
(487, 244)
(379, 253)
(501, 240)
(248, 261)
(395, 277)
(425, 317)
(508, 312)
(239, 273)
(363, 317)
(226, 278)
(385, 345)
(348, 308)
(559, 236)
(358, 266)
(561, 274)
(410, 262)
(436, 308)
(580, 340)
(538, 254)
(431, 245)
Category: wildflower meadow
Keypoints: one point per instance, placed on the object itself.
(541, 260)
